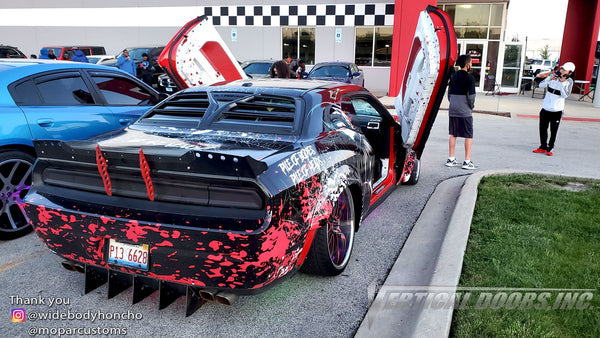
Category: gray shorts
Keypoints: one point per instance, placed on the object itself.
(461, 126)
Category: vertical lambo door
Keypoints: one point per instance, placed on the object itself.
(431, 58)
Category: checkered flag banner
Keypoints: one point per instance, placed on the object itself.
(302, 15)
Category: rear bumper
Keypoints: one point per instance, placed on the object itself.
(243, 262)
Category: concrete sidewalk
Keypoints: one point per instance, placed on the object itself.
(522, 106)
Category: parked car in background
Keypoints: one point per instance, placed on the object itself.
(228, 189)
(99, 58)
(536, 66)
(11, 52)
(346, 72)
(45, 99)
(135, 53)
(257, 68)
(66, 52)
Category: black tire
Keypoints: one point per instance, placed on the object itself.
(15, 181)
(332, 245)
(415, 174)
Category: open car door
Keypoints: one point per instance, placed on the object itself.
(429, 66)
(197, 55)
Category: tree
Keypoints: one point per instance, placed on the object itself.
(545, 53)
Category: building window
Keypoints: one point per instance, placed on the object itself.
(373, 46)
(476, 21)
(298, 43)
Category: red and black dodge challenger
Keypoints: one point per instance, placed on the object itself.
(221, 191)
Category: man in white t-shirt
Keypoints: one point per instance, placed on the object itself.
(558, 87)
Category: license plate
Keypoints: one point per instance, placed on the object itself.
(169, 89)
(134, 256)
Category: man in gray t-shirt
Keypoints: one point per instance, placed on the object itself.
(461, 94)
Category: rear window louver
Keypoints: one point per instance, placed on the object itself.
(263, 109)
(227, 111)
(185, 104)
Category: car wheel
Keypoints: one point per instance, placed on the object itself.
(332, 245)
(416, 172)
(15, 181)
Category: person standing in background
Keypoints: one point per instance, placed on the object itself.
(78, 56)
(146, 70)
(461, 94)
(558, 87)
(44, 53)
(51, 54)
(124, 62)
(280, 69)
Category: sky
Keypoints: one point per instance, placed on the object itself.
(536, 19)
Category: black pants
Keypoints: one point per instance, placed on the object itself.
(552, 119)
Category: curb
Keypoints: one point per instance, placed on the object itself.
(379, 320)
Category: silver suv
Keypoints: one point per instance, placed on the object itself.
(537, 66)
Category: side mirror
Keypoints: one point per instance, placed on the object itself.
(304, 75)
(355, 74)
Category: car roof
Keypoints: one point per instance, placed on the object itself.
(73, 46)
(15, 69)
(260, 60)
(272, 86)
(336, 63)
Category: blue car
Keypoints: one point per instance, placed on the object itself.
(337, 71)
(47, 99)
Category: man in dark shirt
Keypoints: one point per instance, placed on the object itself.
(461, 94)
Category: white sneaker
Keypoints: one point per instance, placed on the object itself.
(469, 165)
(451, 163)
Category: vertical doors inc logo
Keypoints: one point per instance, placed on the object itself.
(17, 315)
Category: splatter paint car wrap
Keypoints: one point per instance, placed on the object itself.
(211, 215)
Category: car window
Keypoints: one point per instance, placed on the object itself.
(330, 71)
(25, 94)
(354, 68)
(65, 91)
(363, 107)
(136, 53)
(258, 68)
(120, 91)
(98, 50)
(10, 51)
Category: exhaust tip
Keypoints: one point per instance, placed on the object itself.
(226, 298)
(68, 265)
(79, 267)
(207, 295)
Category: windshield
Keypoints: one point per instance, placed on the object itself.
(330, 71)
(257, 67)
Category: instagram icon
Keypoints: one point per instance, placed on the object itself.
(17, 315)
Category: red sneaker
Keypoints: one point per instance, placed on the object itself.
(540, 151)
(549, 153)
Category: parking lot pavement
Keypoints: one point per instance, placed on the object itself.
(340, 303)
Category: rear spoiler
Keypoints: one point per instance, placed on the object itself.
(163, 159)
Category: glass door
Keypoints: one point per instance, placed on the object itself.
(512, 65)
(477, 50)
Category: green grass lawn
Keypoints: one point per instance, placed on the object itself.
(533, 232)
